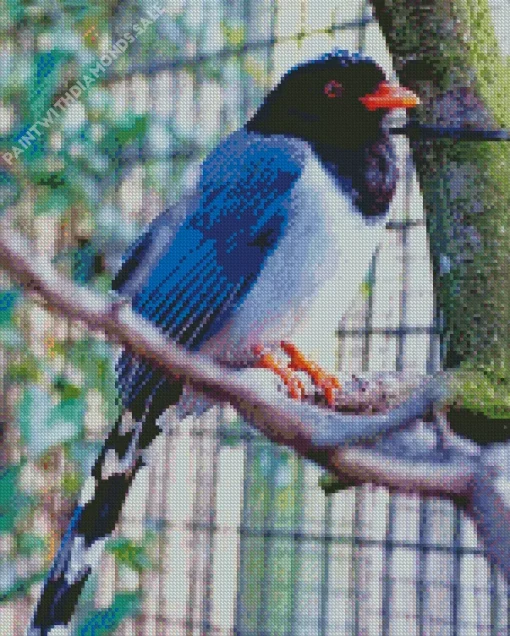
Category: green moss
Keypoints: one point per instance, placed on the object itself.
(484, 390)
(484, 56)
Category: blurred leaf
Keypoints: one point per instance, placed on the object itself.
(67, 390)
(28, 543)
(212, 70)
(21, 586)
(11, 337)
(43, 424)
(9, 190)
(235, 35)
(273, 463)
(80, 8)
(88, 29)
(231, 434)
(102, 622)
(13, 502)
(11, 13)
(366, 288)
(125, 129)
(52, 202)
(45, 81)
(129, 553)
(59, 348)
(8, 300)
(230, 438)
(85, 263)
(331, 484)
(95, 359)
(82, 189)
(71, 483)
(52, 178)
(70, 411)
(103, 282)
(255, 69)
(45, 169)
(27, 370)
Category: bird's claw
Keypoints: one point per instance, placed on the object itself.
(329, 385)
(267, 360)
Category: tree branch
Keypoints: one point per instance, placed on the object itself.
(313, 431)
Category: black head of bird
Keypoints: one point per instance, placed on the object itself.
(338, 99)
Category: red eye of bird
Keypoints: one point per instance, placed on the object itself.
(333, 89)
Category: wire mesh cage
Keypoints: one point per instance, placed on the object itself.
(227, 533)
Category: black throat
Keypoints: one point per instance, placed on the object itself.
(368, 173)
(363, 165)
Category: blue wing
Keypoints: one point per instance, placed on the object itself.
(216, 254)
(188, 281)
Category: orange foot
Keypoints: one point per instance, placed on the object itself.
(328, 384)
(266, 360)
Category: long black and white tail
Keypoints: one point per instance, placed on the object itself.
(92, 523)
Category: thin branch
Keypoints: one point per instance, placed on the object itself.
(314, 432)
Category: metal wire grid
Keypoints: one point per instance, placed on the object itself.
(234, 559)
(369, 591)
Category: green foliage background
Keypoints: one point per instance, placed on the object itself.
(68, 182)
(82, 191)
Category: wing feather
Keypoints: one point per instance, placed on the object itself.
(214, 257)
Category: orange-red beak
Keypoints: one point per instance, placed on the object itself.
(390, 96)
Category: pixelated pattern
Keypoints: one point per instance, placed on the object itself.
(248, 544)
(252, 228)
(215, 256)
(198, 251)
(92, 523)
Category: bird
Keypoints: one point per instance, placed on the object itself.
(289, 207)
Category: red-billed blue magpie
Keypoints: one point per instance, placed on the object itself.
(299, 193)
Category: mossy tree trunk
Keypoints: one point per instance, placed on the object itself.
(446, 51)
